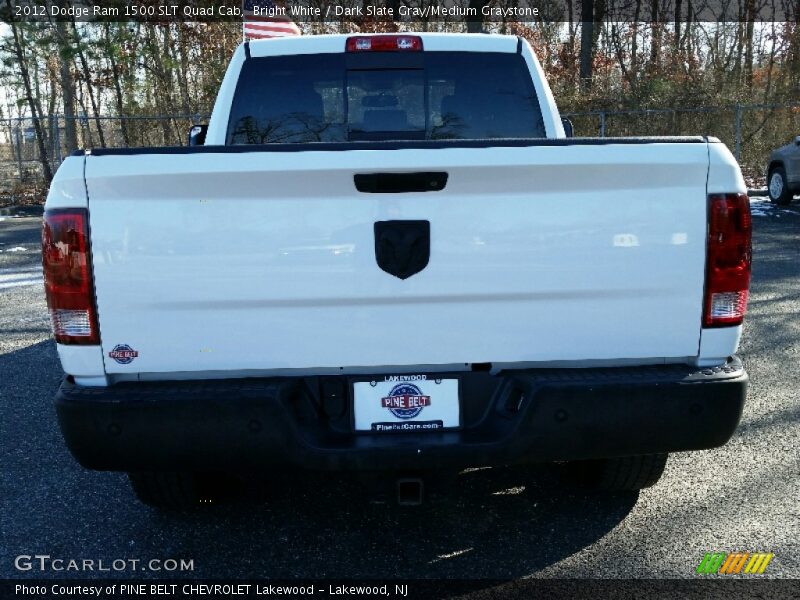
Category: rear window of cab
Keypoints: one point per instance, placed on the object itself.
(428, 96)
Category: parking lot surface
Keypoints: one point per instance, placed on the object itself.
(492, 523)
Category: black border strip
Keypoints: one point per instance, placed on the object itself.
(731, 587)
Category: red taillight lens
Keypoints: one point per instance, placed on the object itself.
(728, 259)
(384, 43)
(68, 276)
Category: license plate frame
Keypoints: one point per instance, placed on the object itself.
(406, 403)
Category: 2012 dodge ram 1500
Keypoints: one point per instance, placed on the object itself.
(388, 256)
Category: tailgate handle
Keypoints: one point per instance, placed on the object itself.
(398, 183)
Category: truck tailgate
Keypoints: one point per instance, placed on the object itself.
(254, 261)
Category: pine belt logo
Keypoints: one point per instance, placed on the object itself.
(734, 563)
(405, 401)
(123, 354)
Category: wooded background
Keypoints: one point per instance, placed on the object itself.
(132, 83)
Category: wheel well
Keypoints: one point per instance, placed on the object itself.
(773, 165)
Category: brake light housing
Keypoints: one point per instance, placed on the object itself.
(384, 43)
(68, 282)
(728, 260)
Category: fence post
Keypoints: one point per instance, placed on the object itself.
(738, 150)
(19, 148)
(58, 138)
(51, 123)
(602, 123)
(57, 158)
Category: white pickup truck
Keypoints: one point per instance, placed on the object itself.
(388, 256)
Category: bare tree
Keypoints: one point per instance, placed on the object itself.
(87, 80)
(33, 106)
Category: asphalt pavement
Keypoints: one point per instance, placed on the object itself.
(492, 523)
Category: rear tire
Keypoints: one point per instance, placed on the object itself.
(778, 187)
(627, 473)
(172, 490)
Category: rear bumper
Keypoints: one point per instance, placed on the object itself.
(519, 416)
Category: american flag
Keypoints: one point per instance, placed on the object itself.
(272, 22)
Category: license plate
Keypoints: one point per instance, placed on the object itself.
(406, 403)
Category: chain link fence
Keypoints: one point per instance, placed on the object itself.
(22, 178)
(750, 131)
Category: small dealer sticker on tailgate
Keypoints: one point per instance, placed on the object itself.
(123, 354)
(405, 403)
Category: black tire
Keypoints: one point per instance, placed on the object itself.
(172, 490)
(780, 184)
(627, 473)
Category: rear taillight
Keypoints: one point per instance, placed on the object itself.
(68, 282)
(384, 43)
(728, 259)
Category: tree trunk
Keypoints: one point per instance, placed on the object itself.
(88, 139)
(737, 65)
(635, 43)
(688, 29)
(655, 38)
(26, 81)
(571, 26)
(36, 85)
(183, 74)
(159, 82)
(169, 52)
(87, 76)
(67, 87)
(587, 45)
(617, 41)
(794, 52)
(475, 23)
(770, 67)
(599, 16)
(748, 48)
(115, 73)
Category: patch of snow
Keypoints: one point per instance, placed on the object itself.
(6, 285)
(762, 207)
(18, 270)
(12, 278)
